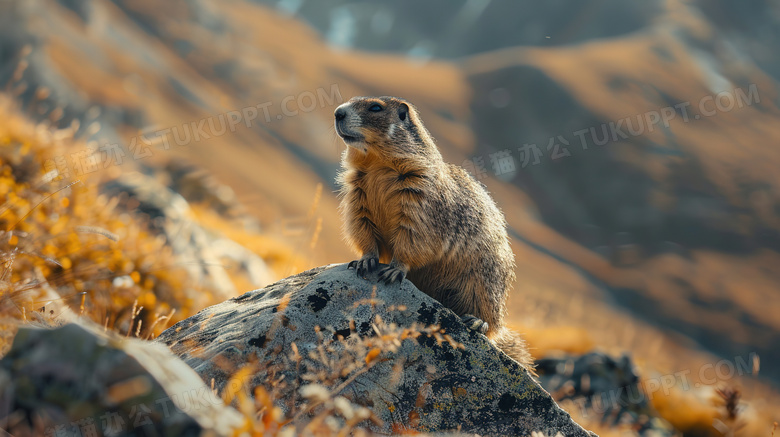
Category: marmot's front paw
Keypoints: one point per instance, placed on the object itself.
(475, 323)
(364, 265)
(390, 274)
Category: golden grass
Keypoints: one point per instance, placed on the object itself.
(58, 233)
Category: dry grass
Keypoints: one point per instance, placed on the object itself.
(65, 247)
(311, 401)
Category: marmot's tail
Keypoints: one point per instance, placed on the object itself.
(513, 344)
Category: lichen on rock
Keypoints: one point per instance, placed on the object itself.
(388, 348)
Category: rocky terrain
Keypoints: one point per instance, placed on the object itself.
(399, 352)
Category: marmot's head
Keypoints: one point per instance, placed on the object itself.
(389, 125)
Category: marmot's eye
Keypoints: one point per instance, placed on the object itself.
(375, 107)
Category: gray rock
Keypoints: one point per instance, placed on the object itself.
(76, 380)
(604, 388)
(438, 381)
(202, 253)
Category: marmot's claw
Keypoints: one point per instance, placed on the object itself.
(391, 274)
(364, 266)
(475, 323)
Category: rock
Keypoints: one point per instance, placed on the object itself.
(297, 330)
(604, 387)
(202, 253)
(198, 186)
(76, 380)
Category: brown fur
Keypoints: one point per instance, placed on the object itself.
(431, 221)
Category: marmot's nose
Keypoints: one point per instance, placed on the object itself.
(340, 113)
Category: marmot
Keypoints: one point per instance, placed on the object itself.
(431, 221)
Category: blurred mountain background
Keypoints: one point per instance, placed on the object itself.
(633, 146)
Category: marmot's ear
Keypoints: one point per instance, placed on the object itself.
(403, 111)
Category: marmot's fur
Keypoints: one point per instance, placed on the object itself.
(429, 220)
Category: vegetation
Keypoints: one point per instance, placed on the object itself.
(65, 247)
